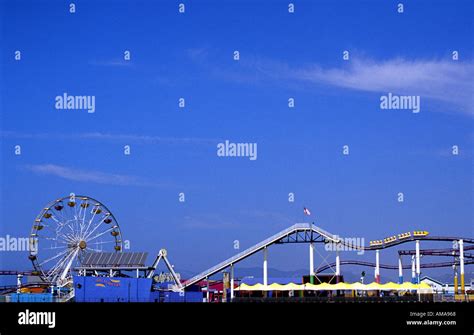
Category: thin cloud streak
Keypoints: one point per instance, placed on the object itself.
(112, 62)
(129, 138)
(146, 138)
(89, 176)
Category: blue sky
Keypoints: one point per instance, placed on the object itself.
(173, 150)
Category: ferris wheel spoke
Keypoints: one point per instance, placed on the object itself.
(52, 248)
(58, 267)
(56, 256)
(60, 262)
(96, 250)
(101, 242)
(76, 213)
(62, 226)
(63, 222)
(64, 237)
(53, 238)
(80, 210)
(89, 223)
(83, 222)
(94, 228)
(90, 228)
(58, 240)
(99, 234)
(70, 238)
(60, 218)
(69, 264)
(69, 225)
(85, 212)
(71, 216)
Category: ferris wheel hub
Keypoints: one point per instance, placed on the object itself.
(82, 244)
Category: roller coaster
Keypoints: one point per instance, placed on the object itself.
(309, 233)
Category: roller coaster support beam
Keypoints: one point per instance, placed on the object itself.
(413, 269)
(377, 266)
(338, 266)
(207, 289)
(461, 264)
(162, 256)
(231, 282)
(455, 282)
(265, 266)
(417, 256)
(18, 283)
(311, 263)
(400, 270)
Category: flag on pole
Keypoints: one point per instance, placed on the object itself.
(306, 211)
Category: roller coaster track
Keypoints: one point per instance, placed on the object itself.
(390, 267)
(306, 233)
(439, 252)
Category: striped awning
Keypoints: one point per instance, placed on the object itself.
(390, 286)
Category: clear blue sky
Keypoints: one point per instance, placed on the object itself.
(299, 150)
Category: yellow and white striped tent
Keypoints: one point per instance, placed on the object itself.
(390, 286)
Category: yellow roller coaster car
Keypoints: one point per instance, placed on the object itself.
(390, 239)
(420, 233)
(404, 235)
(375, 243)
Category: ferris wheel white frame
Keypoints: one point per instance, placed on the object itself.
(66, 229)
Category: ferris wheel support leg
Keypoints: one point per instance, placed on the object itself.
(338, 266)
(461, 264)
(68, 266)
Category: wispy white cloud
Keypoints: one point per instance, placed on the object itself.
(447, 81)
(112, 62)
(146, 138)
(111, 137)
(89, 175)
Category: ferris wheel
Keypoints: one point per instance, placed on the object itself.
(65, 230)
